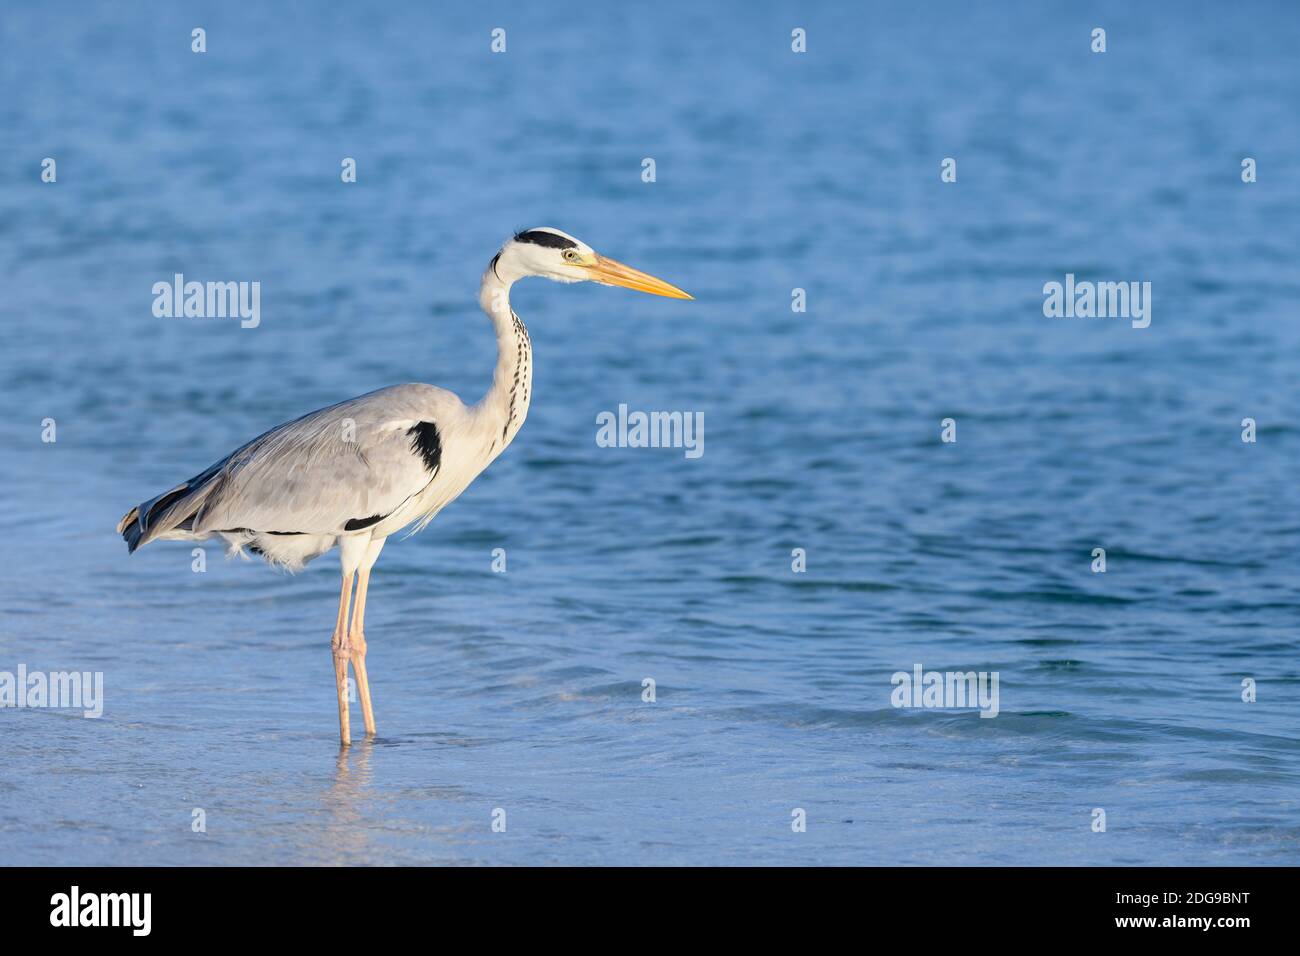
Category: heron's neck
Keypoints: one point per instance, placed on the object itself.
(505, 405)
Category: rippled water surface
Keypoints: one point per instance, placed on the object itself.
(522, 691)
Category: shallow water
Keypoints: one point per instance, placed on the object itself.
(522, 691)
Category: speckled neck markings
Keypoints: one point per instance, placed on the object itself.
(523, 377)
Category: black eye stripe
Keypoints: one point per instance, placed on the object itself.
(549, 239)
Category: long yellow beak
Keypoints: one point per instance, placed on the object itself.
(611, 272)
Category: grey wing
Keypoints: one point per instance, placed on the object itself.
(338, 469)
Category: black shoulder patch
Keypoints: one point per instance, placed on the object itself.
(356, 524)
(426, 443)
(539, 238)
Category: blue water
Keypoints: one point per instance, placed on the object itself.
(522, 690)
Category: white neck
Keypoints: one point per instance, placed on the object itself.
(505, 406)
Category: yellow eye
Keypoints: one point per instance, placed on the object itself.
(571, 255)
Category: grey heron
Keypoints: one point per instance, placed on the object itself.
(352, 474)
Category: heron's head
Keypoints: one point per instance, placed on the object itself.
(557, 255)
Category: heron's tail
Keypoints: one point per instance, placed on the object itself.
(130, 530)
(170, 511)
